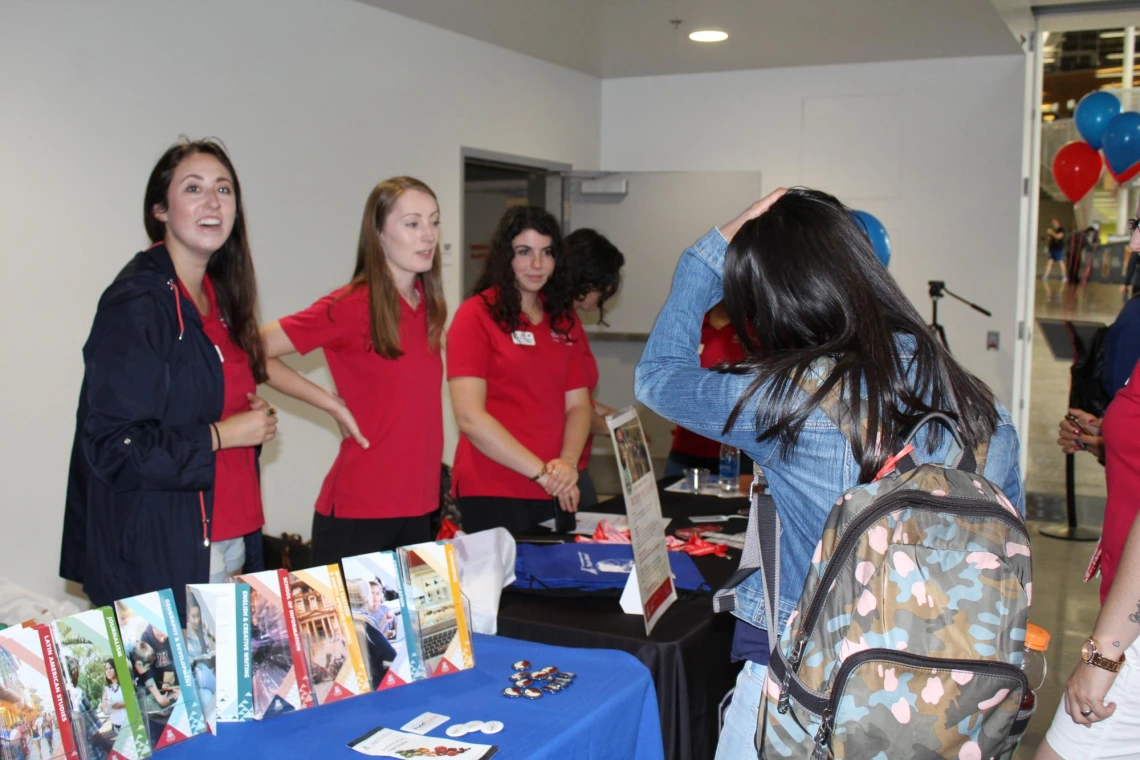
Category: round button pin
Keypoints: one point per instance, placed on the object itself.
(538, 675)
(553, 688)
(516, 677)
(473, 725)
(492, 727)
(457, 730)
(521, 665)
(532, 693)
(512, 692)
(522, 683)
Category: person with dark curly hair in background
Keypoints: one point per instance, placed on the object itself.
(595, 274)
(515, 375)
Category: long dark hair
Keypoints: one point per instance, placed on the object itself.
(497, 272)
(372, 271)
(230, 267)
(595, 264)
(806, 293)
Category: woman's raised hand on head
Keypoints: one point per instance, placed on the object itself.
(756, 209)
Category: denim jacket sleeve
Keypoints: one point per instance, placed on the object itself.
(1002, 462)
(669, 378)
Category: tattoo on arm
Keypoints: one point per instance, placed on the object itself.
(1135, 616)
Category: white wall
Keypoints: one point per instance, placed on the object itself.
(932, 148)
(317, 100)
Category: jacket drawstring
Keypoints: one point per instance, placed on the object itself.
(182, 329)
(177, 307)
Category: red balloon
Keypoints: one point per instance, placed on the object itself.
(1126, 175)
(1076, 168)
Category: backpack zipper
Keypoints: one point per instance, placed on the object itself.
(984, 667)
(915, 500)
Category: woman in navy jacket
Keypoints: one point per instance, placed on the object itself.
(141, 494)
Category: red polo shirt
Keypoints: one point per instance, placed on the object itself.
(1122, 472)
(590, 377)
(396, 402)
(716, 346)
(528, 374)
(237, 490)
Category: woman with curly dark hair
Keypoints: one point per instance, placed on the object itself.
(595, 273)
(515, 375)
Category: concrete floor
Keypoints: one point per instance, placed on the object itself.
(1063, 604)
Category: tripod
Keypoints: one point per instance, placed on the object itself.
(937, 290)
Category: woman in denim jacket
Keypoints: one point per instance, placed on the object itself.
(828, 336)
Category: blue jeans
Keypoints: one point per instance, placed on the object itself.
(738, 735)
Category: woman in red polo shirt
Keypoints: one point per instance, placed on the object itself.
(595, 274)
(718, 344)
(515, 374)
(381, 337)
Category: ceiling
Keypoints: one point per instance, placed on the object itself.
(623, 38)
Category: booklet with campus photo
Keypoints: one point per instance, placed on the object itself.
(280, 674)
(33, 701)
(440, 640)
(217, 643)
(160, 668)
(105, 715)
(380, 617)
(328, 638)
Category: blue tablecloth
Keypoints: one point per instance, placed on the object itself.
(609, 712)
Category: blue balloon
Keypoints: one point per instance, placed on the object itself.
(875, 230)
(1093, 114)
(1122, 146)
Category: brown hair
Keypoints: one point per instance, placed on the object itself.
(230, 267)
(372, 271)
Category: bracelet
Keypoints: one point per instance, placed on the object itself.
(214, 427)
(540, 474)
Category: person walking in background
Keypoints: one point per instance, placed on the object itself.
(1055, 240)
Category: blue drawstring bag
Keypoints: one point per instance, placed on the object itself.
(591, 568)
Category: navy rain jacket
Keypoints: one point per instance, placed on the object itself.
(140, 490)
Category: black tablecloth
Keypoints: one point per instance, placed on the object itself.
(688, 651)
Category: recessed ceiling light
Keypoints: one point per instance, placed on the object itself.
(708, 35)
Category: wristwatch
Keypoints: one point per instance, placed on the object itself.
(1090, 655)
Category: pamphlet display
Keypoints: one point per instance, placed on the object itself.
(32, 693)
(160, 668)
(441, 643)
(280, 678)
(328, 638)
(643, 508)
(379, 609)
(218, 644)
(92, 657)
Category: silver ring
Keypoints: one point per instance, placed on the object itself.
(1086, 713)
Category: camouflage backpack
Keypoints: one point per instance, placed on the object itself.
(908, 638)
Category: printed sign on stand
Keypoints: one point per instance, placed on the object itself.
(643, 510)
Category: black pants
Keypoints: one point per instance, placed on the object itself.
(518, 516)
(337, 537)
(589, 494)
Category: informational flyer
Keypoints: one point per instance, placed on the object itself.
(643, 509)
(384, 742)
